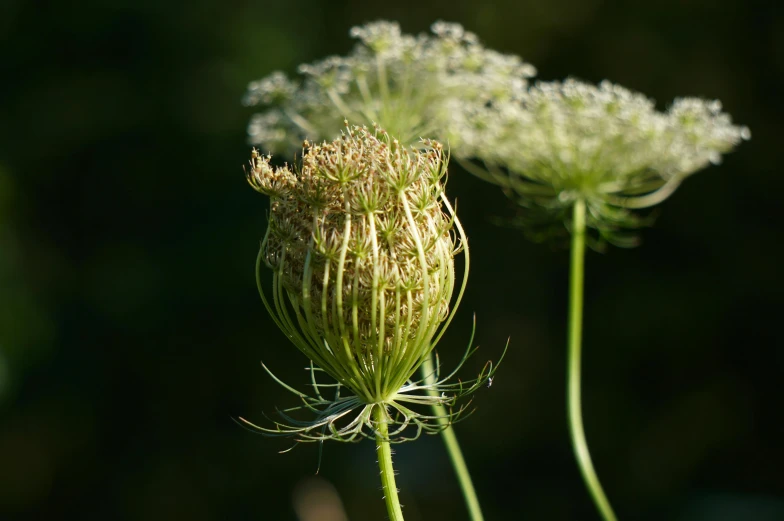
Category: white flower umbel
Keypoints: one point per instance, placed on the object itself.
(605, 145)
(411, 85)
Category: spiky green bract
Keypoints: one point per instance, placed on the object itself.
(411, 85)
(561, 142)
(361, 244)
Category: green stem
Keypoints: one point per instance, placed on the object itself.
(577, 275)
(453, 447)
(384, 453)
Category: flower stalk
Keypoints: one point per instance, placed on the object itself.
(453, 449)
(384, 454)
(574, 394)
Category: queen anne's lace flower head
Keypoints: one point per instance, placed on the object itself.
(606, 145)
(361, 243)
(408, 84)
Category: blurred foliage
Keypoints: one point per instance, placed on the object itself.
(130, 327)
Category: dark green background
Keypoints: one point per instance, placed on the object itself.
(131, 331)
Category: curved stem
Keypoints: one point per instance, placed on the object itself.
(453, 447)
(384, 453)
(576, 277)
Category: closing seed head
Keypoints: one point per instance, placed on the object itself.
(362, 248)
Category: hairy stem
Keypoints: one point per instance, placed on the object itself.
(384, 453)
(577, 275)
(453, 447)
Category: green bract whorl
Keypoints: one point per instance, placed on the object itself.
(361, 243)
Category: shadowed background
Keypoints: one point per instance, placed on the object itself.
(131, 330)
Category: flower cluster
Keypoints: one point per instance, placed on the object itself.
(361, 242)
(411, 85)
(606, 145)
